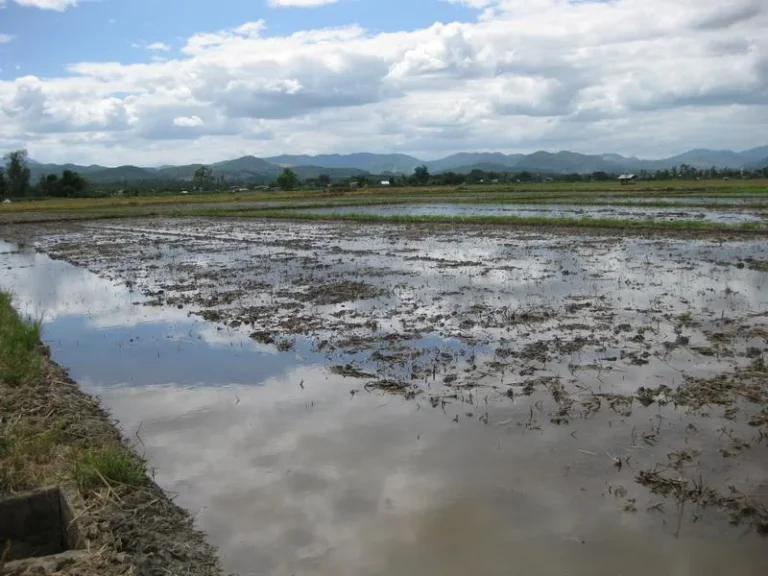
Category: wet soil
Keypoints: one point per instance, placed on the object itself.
(727, 214)
(631, 363)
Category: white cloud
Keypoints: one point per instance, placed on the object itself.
(299, 3)
(188, 121)
(58, 5)
(553, 74)
(158, 46)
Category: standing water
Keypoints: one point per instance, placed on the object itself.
(293, 468)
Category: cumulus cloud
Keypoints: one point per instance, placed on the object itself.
(645, 77)
(58, 5)
(158, 46)
(5, 38)
(188, 121)
(299, 3)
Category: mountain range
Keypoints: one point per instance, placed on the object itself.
(339, 166)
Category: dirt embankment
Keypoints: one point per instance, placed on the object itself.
(52, 434)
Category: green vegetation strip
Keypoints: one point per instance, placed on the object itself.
(42, 437)
(485, 199)
(754, 227)
(483, 192)
(51, 434)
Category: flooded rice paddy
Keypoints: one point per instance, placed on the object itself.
(722, 216)
(736, 200)
(343, 399)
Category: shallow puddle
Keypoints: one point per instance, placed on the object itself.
(492, 459)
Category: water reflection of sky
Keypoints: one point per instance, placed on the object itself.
(102, 333)
(106, 336)
(297, 475)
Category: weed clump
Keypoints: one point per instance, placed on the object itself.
(20, 357)
(94, 469)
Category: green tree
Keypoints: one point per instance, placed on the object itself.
(3, 184)
(17, 173)
(451, 178)
(49, 185)
(420, 176)
(69, 184)
(323, 180)
(203, 178)
(476, 176)
(362, 181)
(288, 180)
(72, 183)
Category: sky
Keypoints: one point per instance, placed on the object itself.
(153, 82)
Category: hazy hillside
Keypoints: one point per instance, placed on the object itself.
(484, 166)
(465, 160)
(756, 155)
(707, 159)
(372, 163)
(122, 174)
(185, 172)
(246, 164)
(567, 162)
(762, 163)
(339, 166)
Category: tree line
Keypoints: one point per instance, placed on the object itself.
(15, 179)
(422, 177)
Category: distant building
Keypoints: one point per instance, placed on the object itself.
(7, 201)
(627, 178)
(385, 182)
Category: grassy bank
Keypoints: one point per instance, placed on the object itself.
(527, 221)
(39, 449)
(713, 188)
(53, 434)
(504, 199)
(269, 209)
(276, 204)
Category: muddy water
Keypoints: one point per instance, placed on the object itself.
(294, 469)
(551, 211)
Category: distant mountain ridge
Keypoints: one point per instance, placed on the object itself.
(340, 166)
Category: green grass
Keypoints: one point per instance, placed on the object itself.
(562, 222)
(160, 199)
(121, 212)
(534, 191)
(45, 436)
(20, 357)
(113, 465)
(506, 199)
